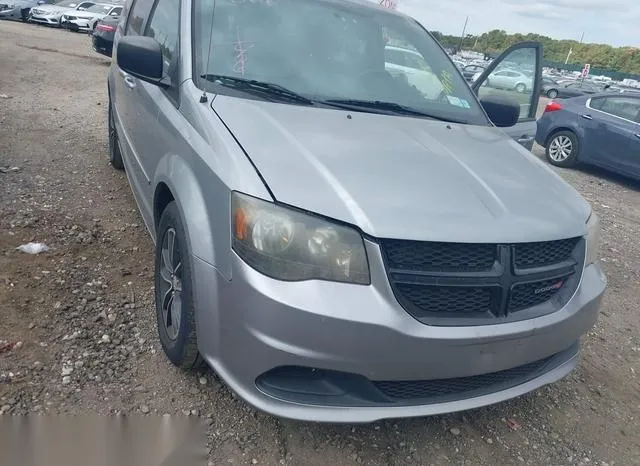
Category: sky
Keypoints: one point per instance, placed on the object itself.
(613, 22)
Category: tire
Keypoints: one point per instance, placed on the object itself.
(562, 149)
(521, 88)
(176, 325)
(115, 156)
(552, 93)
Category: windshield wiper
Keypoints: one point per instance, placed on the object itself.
(393, 107)
(252, 85)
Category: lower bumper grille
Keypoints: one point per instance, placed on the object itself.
(422, 389)
(468, 284)
(320, 387)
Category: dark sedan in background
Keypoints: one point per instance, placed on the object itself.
(580, 88)
(549, 87)
(102, 36)
(601, 129)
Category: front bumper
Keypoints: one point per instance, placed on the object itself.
(251, 325)
(77, 24)
(51, 20)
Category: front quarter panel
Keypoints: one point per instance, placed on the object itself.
(201, 164)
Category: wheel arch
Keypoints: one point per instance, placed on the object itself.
(557, 130)
(176, 181)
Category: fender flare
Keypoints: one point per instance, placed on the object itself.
(174, 173)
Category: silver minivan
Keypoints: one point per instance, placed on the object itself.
(341, 237)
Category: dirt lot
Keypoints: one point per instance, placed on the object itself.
(83, 311)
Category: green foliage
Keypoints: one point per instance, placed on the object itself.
(604, 59)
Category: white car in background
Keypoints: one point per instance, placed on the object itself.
(51, 15)
(88, 19)
(410, 63)
(510, 79)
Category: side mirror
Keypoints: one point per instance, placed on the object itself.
(503, 112)
(141, 57)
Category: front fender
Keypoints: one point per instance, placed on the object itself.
(181, 180)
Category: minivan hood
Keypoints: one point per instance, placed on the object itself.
(403, 177)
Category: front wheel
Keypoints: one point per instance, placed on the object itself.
(521, 88)
(562, 149)
(552, 93)
(115, 156)
(175, 311)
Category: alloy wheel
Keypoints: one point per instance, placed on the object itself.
(171, 284)
(560, 148)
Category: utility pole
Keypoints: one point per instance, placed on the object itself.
(464, 29)
(568, 55)
(571, 49)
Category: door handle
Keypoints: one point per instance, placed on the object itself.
(129, 82)
(587, 117)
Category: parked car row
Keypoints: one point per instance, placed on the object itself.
(70, 14)
(18, 10)
(567, 89)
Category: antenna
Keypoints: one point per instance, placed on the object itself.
(203, 97)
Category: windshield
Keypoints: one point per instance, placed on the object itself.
(67, 4)
(331, 50)
(99, 8)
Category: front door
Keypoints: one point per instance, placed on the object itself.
(136, 115)
(524, 58)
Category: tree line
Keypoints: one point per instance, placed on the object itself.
(623, 60)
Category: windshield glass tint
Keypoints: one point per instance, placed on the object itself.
(99, 9)
(327, 49)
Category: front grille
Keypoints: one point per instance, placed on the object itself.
(70, 18)
(466, 284)
(530, 255)
(527, 295)
(414, 255)
(448, 300)
(461, 386)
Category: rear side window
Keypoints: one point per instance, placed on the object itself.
(139, 13)
(597, 103)
(621, 107)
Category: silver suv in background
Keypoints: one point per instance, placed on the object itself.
(338, 241)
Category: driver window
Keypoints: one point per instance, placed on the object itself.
(514, 78)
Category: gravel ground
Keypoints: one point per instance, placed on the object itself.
(78, 335)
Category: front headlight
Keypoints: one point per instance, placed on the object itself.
(593, 239)
(289, 245)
